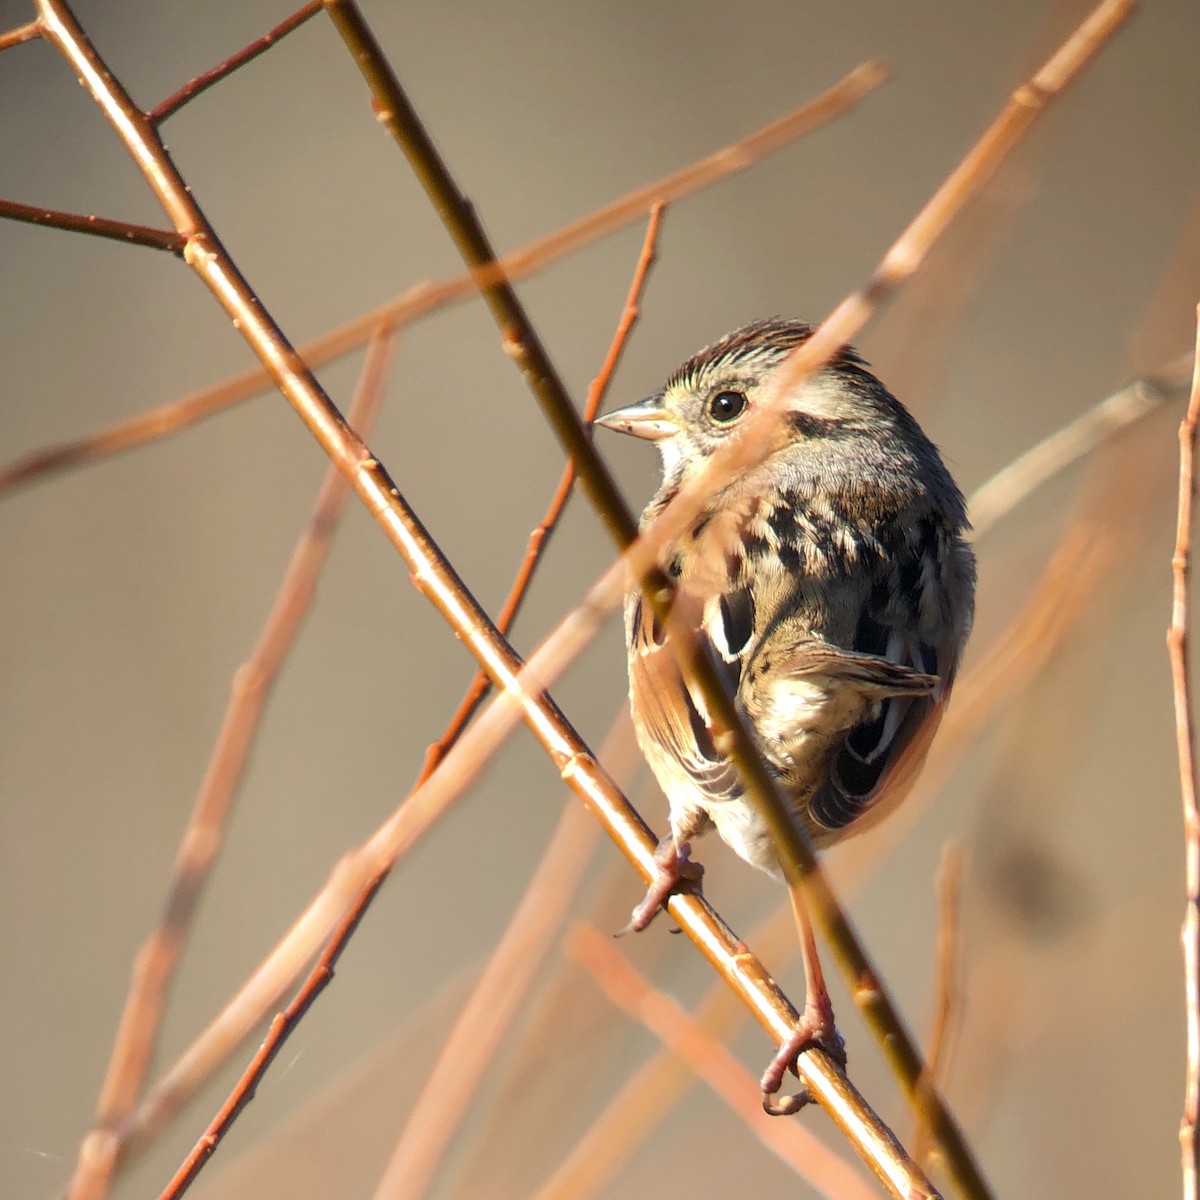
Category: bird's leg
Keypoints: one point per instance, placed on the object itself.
(675, 872)
(815, 1027)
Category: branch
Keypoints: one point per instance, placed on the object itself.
(945, 995)
(105, 227)
(1099, 424)
(425, 297)
(172, 104)
(687, 1039)
(20, 35)
(1185, 739)
(154, 966)
(493, 1004)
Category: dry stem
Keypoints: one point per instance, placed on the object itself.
(22, 33)
(493, 1004)
(1177, 647)
(425, 297)
(282, 967)
(687, 1038)
(105, 227)
(945, 992)
(155, 964)
(173, 103)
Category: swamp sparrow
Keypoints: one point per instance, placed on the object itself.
(833, 583)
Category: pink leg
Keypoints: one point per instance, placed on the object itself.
(814, 1027)
(676, 873)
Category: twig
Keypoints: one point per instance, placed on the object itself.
(686, 1037)
(172, 104)
(491, 1007)
(20, 35)
(425, 297)
(105, 227)
(1177, 648)
(254, 1001)
(945, 998)
(1008, 487)
(539, 539)
(155, 964)
(521, 341)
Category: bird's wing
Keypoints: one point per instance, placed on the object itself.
(675, 726)
(882, 752)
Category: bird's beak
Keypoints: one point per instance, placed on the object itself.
(645, 419)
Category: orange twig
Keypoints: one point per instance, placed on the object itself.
(1177, 648)
(172, 104)
(21, 34)
(425, 297)
(686, 1037)
(945, 998)
(493, 1004)
(155, 964)
(267, 984)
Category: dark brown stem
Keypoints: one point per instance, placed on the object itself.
(105, 227)
(395, 112)
(172, 104)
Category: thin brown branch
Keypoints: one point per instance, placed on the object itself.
(20, 35)
(105, 227)
(539, 539)
(248, 1008)
(172, 104)
(712, 1062)
(426, 297)
(1185, 740)
(521, 341)
(155, 964)
(396, 112)
(493, 1004)
(945, 992)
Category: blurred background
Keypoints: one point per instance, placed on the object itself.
(134, 586)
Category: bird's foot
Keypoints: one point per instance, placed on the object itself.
(814, 1029)
(675, 873)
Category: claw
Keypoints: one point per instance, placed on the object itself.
(815, 1028)
(676, 873)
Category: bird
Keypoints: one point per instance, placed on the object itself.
(832, 584)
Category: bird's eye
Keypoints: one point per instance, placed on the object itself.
(727, 406)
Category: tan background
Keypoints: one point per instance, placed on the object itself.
(133, 588)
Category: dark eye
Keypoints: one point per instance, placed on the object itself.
(727, 406)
